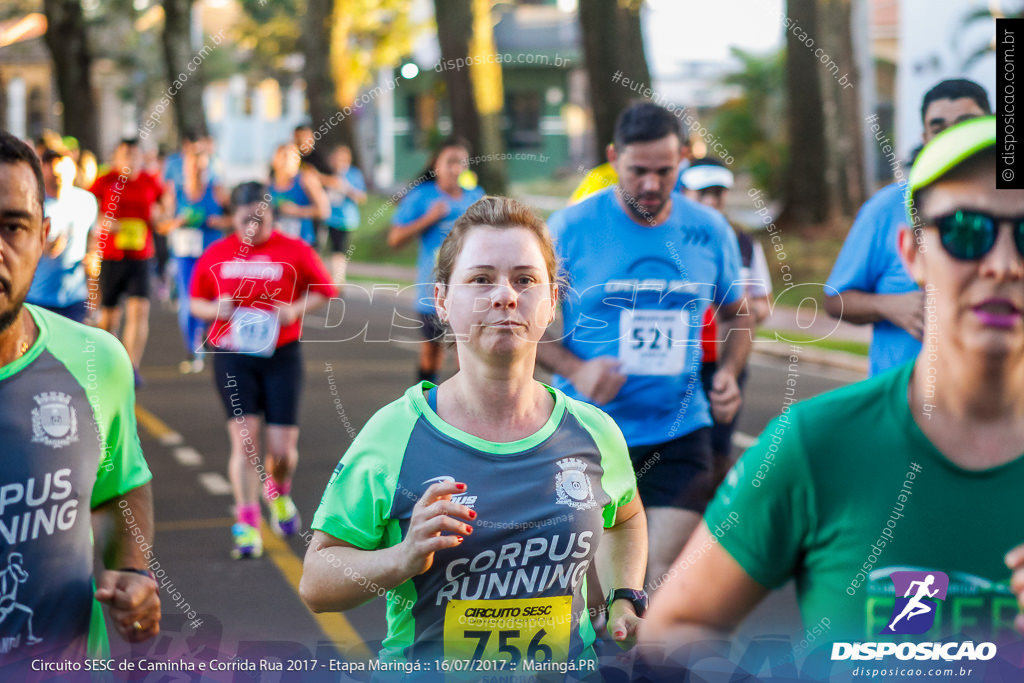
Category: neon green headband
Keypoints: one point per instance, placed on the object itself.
(948, 150)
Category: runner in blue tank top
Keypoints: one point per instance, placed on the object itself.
(428, 212)
(298, 195)
(198, 222)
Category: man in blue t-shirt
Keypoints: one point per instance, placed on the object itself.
(869, 283)
(644, 263)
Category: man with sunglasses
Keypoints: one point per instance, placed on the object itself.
(255, 285)
(868, 283)
(918, 471)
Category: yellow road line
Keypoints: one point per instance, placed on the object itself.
(334, 624)
(151, 423)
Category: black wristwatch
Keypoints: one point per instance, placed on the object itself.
(637, 597)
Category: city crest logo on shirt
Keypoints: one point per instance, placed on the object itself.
(572, 485)
(916, 594)
(54, 421)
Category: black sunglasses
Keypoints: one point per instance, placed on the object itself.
(969, 235)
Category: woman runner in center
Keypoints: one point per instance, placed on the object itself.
(479, 504)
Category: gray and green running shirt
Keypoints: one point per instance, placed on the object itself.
(845, 494)
(515, 587)
(69, 444)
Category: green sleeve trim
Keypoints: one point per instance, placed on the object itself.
(415, 395)
(401, 626)
(619, 479)
(586, 630)
(356, 505)
(101, 367)
(768, 521)
(99, 644)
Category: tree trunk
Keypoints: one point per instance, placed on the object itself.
(178, 53)
(320, 85)
(454, 27)
(489, 96)
(66, 37)
(613, 46)
(841, 79)
(465, 28)
(806, 185)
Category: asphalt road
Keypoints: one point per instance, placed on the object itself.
(358, 357)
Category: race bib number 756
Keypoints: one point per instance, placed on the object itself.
(536, 629)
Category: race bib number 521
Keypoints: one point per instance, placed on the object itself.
(652, 342)
(536, 629)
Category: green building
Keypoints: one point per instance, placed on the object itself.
(544, 123)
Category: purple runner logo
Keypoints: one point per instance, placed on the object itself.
(914, 612)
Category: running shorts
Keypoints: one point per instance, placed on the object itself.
(251, 385)
(125, 277)
(338, 240)
(674, 473)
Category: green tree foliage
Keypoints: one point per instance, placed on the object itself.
(366, 35)
(268, 33)
(983, 15)
(751, 125)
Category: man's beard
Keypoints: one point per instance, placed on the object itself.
(9, 316)
(639, 211)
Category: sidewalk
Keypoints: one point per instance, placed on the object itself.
(812, 321)
(808, 320)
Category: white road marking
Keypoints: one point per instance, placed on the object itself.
(188, 456)
(172, 439)
(215, 483)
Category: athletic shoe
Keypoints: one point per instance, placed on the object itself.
(191, 367)
(284, 516)
(248, 542)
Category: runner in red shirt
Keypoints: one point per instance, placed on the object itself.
(255, 285)
(130, 204)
